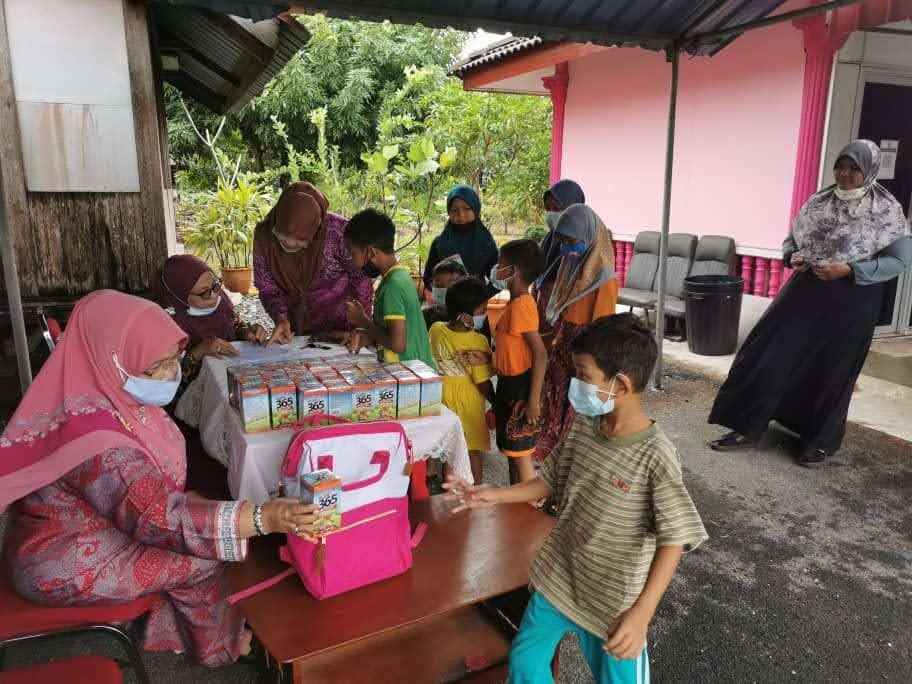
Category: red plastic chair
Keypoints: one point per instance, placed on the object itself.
(22, 621)
(78, 670)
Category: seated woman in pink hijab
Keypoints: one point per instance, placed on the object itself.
(97, 471)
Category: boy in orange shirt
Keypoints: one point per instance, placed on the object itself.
(520, 357)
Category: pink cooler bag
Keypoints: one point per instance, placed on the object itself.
(375, 540)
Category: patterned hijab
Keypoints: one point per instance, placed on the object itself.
(830, 229)
(172, 287)
(578, 277)
(77, 408)
(299, 214)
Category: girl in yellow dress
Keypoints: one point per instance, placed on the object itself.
(466, 382)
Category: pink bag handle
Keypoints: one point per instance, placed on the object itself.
(261, 586)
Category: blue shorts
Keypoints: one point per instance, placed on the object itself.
(543, 627)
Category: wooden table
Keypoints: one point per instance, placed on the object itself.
(423, 626)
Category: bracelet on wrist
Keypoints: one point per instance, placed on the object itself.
(258, 520)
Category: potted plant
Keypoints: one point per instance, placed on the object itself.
(222, 231)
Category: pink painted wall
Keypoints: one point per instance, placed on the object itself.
(737, 128)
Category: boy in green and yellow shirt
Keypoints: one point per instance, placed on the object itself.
(397, 329)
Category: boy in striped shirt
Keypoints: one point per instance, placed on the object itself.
(624, 515)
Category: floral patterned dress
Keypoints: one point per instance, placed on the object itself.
(116, 528)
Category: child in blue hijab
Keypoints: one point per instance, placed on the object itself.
(465, 235)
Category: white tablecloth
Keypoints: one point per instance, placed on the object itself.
(253, 460)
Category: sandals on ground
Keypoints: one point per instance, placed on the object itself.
(733, 441)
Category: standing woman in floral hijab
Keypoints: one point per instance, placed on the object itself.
(800, 362)
(585, 289)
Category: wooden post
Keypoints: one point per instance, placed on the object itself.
(14, 220)
(149, 145)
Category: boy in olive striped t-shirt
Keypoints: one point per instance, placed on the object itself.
(624, 515)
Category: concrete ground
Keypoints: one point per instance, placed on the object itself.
(807, 575)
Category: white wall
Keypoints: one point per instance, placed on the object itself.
(73, 95)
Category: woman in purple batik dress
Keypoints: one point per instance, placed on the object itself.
(302, 270)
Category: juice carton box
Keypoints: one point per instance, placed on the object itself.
(408, 395)
(338, 397)
(253, 406)
(431, 387)
(283, 401)
(323, 488)
(364, 397)
(387, 393)
(312, 396)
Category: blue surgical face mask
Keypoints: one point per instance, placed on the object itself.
(574, 251)
(439, 297)
(499, 283)
(193, 311)
(149, 391)
(584, 397)
(479, 321)
(551, 218)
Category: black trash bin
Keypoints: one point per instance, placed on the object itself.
(712, 311)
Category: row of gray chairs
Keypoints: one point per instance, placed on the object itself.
(687, 256)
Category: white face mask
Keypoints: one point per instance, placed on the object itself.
(193, 311)
(499, 283)
(439, 297)
(149, 391)
(849, 195)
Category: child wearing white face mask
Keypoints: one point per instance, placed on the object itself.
(457, 347)
(624, 515)
(446, 273)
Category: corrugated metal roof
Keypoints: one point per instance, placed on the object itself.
(645, 23)
(495, 52)
(259, 10)
(223, 61)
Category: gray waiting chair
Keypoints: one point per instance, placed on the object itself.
(681, 250)
(637, 292)
(715, 255)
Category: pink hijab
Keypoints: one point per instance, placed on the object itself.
(77, 409)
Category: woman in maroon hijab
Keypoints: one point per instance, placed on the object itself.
(302, 270)
(189, 290)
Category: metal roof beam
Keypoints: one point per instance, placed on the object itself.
(574, 33)
(711, 36)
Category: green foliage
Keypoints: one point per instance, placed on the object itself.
(224, 221)
(536, 232)
(368, 113)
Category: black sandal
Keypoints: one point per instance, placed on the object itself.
(811, 458)
(733, 441)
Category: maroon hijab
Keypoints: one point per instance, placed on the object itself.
(172, 288)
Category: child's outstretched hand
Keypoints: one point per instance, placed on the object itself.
(469, 496)
(628, 639)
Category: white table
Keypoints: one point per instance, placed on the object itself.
(253, 460)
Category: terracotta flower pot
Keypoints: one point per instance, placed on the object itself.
(237, 279)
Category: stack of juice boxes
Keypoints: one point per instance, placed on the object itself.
(275, 395)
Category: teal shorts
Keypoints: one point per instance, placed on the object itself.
(543, 627)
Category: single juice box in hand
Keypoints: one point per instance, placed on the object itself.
(253, 406)
(283, 401)
(323, 488)
(431, 387)
(408, 393)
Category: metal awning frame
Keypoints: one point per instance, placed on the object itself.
(673, 46)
